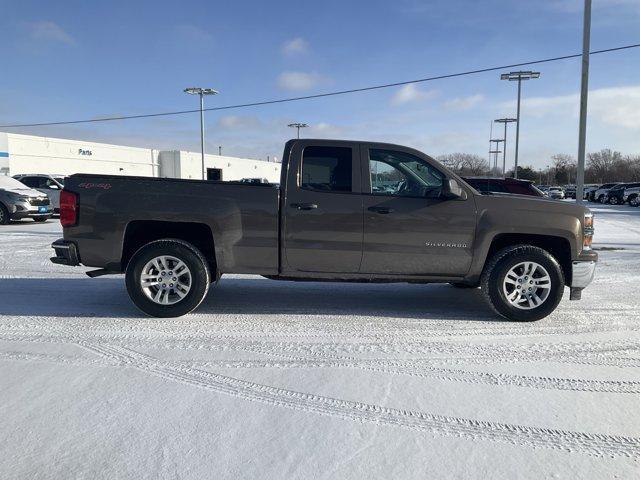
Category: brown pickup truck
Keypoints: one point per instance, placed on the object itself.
(343, 211)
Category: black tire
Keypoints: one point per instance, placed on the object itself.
(4, 215)
(613, 201)
(40, 219)
(634, 201)
(187, 253)
(498, 267)
(462, 285)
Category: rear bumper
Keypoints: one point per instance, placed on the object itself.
(66, 253)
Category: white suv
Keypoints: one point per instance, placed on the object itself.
(45, 183)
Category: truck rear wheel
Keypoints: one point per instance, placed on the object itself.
(167, 278)
(523, 283)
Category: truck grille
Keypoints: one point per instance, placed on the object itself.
(39, 202)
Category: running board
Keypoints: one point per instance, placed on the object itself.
(100, 272)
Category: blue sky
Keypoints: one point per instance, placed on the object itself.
(79, 59)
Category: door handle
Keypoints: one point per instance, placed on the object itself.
(304, 206)
(380, 210)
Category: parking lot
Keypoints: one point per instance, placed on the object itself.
(375, 378)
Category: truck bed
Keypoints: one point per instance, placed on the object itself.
(243, 218)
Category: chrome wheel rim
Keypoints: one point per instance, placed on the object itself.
(165, 280)
(526, 285)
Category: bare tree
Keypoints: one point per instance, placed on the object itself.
(601, 165)
(564, 168)
(465, 163)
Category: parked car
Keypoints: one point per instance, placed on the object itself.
(599, 194)
(45, 183)
(325, 222)
(504, 185)
(570, 191)
(615, 195)
(588, 189)
(18, 201)
(631, 194)
(557, 193)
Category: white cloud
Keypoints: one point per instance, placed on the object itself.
(615, 106)
(295, 46)
(324, 129)
(193, 33)
(50, 32)
(299, 81)
(410, 94)
(464, 103)
(237, 122)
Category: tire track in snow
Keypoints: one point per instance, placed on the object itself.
(312, 328)
(420, 369)
(588, 353)
(426, 369)
(570, 441)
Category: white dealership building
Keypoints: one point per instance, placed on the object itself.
(33, 154)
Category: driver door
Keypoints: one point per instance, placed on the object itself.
(409, 227)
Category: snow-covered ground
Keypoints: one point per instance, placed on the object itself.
(315, 380)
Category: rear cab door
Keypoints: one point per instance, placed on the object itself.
(410, 227)
(321, 209)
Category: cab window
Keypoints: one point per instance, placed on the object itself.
(402, 174)
(327, 169)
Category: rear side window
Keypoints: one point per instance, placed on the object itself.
(497, 187)
(327, 169)
(488, 186)
(520, 189)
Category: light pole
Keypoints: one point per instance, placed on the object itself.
(202, 92)
(496, 151)
(504, 152)
(298, 126)
(584, 93)
(519, 77)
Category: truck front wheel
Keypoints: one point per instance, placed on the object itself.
(523, 283)
(167, 278)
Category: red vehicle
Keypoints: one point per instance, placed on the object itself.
(504, 185)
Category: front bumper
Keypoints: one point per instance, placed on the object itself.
(24, 209)
(582, 273)
(66, 253)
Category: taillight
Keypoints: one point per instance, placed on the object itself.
(68, 208)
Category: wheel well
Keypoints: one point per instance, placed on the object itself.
(559, 247)
(141, 232)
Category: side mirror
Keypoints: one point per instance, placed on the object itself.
(454, 190)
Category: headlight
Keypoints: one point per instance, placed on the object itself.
(17, 197)
(587, 231)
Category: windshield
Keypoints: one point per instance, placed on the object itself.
(8, 183)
